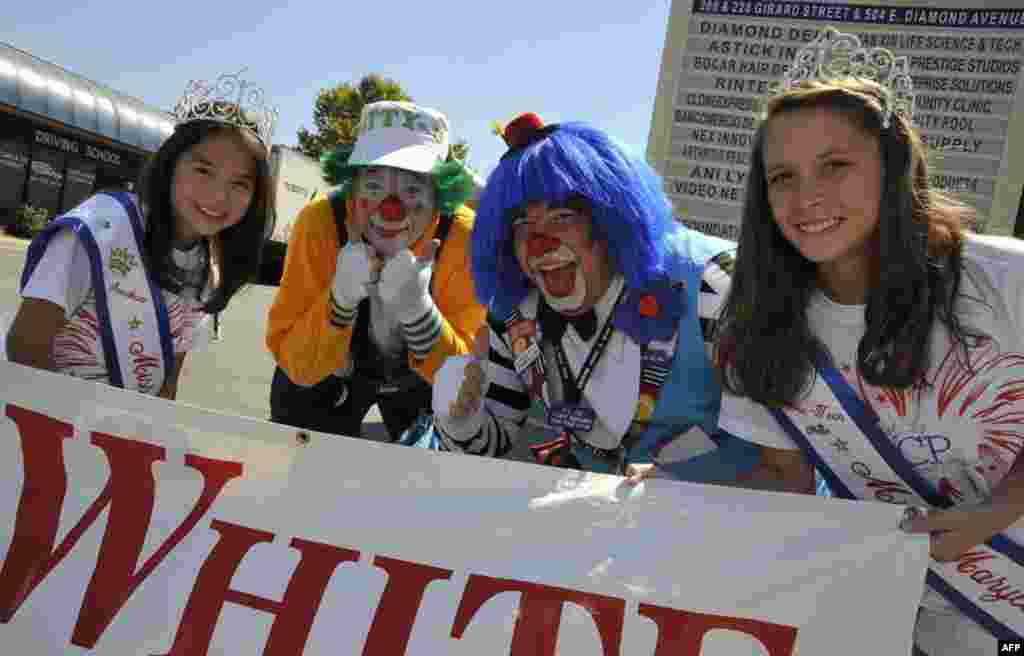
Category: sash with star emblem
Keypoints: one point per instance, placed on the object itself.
(133, 321)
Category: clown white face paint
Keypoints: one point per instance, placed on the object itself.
(556, 250)
(396, 206)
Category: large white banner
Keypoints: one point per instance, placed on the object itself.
(133, 526)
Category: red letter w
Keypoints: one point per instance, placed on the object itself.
(129, 491)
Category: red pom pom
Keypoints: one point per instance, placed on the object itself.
(521, 129)
(648, 306)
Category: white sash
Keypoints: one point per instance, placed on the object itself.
(133, 320)
(859, 461)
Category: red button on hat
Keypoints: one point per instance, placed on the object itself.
(648, 306)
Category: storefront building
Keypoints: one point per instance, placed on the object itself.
(62, 136)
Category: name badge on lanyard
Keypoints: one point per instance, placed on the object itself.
(574, 417)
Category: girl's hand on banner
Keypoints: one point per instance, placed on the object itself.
(636, 473)
(955, 531)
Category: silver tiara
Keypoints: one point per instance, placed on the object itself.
(835, 54)
(230, 100)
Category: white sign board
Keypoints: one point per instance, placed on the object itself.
(132, 526)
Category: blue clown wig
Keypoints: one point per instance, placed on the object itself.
(630, 211)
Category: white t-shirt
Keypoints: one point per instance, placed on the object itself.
(961, 433)
(64, 276)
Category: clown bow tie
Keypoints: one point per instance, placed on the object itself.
(554, 323)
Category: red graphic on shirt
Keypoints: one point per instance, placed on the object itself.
(985, 395)
(78, 347)
(75, 345)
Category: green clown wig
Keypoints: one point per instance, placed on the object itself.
(453, 182)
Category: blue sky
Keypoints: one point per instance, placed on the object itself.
(475, 61)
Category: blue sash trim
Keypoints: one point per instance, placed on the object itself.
(859, 413)
(868, 425)
(834, 482)
(970, 609)
(81, 229)
(162, 318)
(35, 254)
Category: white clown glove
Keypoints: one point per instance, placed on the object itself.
(458, 395)
(404, 285)
(353, 273)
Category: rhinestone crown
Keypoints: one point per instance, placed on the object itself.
(835, 54)
(230, 100)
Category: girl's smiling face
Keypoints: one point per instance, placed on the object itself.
(824, 180)
(212, 186)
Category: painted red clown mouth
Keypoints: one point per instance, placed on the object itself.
(560, 281)
(388, 233)
(557, 271)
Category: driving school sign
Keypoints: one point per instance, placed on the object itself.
(130, 525)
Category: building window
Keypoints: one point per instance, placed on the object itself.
(13, 171)
(1019, 228)
(114, 179)
(79, 182)
(46, 177)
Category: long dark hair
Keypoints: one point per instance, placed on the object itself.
(235, 251)
(764, 345)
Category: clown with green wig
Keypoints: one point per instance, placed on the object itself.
(376, 292)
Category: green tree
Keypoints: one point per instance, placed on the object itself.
(337, 111)
(458, 150)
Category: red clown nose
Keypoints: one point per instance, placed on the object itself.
(391, 209)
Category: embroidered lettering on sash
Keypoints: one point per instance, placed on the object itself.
(142, 366)
(887, 491)
(128, 293)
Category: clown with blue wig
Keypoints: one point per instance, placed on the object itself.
(601, 307)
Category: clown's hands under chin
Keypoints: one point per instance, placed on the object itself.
(404, 285)
(353, 272)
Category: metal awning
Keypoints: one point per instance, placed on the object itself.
(33, 85)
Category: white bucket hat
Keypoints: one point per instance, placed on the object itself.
(401, 135)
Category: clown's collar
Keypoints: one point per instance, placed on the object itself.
(652, 313)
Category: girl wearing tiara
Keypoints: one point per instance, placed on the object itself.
(867, 332)
(115, 290)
